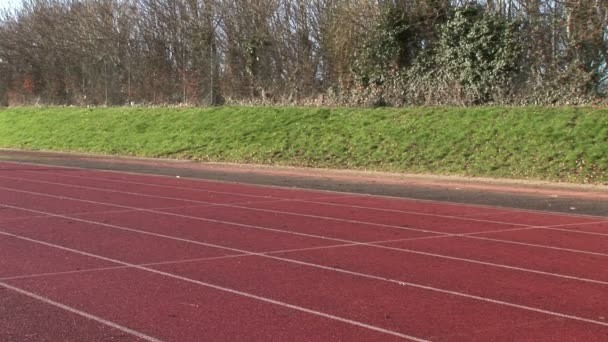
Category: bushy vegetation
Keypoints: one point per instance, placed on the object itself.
(472, 56)
(315, 52)
(563, 144)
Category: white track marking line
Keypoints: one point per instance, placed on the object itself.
(371, 243)
(238, 206)
(463, 336)
(437, 215)
(50, 274)
(23, 218)
(172, 262)
(348, 242)
(368, 276)
(273, 229)
(235, 205)
(474, 235)
(93, 213)
(520, 226)
(80, 313)
(226, 289)
(287, 189)
(453, 204)
(173, 214)
(269, 199)
(577, 231)
(367, 244)
(175, 262)
(465, 215)
(98, 269)
(268, 210)
(346, 194)
(536, 245)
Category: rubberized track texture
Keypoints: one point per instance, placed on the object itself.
(89, 255)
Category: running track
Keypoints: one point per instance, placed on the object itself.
(91, 255)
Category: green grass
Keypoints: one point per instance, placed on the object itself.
(564, 144)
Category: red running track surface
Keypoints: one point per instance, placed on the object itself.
(97, 255)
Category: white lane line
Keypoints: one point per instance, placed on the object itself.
(599, 218)
(267, 210)
(578, 231)
(283, 251)
(269, 199)
(520, 226)
(172, 262)
(411, 251)
(287, 189)
(25, 218)
(98, 269)
(80, 313)
(172, 214)
(240, 206)
(476, 237)
(176, 262)
(345, 244)
(453, 204)
(270, 229)
(235, 205)
(225, 289)
(328, 268)
(318, 217)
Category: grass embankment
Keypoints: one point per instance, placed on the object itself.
(565, 144)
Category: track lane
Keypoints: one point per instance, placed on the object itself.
(553, 261)
(510, 215)
(17, 260)
(253, 279)
(107, 177)
(287, 247)
(338, 229)
(184, 228)
(435, 223)
(174, 310)
(135, 218)
(564, 226)
(7, 213)
(130, 246)
(235, 214)
(24, 318)
(430, 315)
(507, 286)
(117, 199)
(491, 214)
(57, 205)
(569, 296)
(400, 221)
(151, 189)
(217, 187)
(149, 300)
(555, 238)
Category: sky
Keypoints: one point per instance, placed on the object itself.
(9, 4)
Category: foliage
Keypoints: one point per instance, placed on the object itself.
(479, 51)
(384, 50)
(352, 52)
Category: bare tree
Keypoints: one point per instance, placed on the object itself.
(115, 52)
